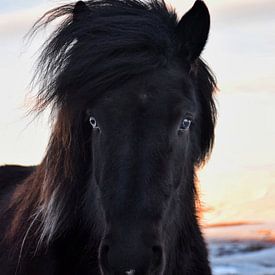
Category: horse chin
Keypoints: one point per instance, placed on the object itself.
(133, 272)
(130, 272)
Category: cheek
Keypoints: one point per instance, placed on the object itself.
(181, 148)
(181, 158)
(97, 156)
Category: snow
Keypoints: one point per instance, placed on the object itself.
(242, 262)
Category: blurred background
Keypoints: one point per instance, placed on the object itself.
(237, 185)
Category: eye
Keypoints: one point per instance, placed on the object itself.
(185, 124)
(93, 122)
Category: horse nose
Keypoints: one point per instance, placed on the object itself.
(133, 259)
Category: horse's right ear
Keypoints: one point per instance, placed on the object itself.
(80, 8)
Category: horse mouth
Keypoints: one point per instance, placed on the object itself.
(130, 272)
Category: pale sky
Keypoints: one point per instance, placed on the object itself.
(238, 183)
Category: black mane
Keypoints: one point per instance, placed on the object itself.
(109, 31)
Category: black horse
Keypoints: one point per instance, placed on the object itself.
(133, 118)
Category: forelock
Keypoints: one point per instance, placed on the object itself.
(111, 43)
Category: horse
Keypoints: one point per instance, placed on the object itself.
(133, 118)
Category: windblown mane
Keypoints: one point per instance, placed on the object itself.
(92, 51)
(103, 47)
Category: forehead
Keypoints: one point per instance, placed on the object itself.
(157, 94)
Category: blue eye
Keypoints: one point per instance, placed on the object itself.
(185, 124)
(93, 122)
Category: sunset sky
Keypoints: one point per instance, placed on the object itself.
(238, 183)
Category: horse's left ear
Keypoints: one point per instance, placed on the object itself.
(192, 31)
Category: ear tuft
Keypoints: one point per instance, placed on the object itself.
(192, 31)
(79, 9)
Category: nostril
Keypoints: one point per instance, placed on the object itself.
(103, 258)
(157, 257)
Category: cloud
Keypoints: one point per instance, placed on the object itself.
(236, 11)
(14, 22)
(22, 20)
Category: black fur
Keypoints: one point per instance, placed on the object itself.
(120, 196)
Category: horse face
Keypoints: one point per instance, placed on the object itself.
(141, 146)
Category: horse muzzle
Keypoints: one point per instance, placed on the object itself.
(133, 259)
